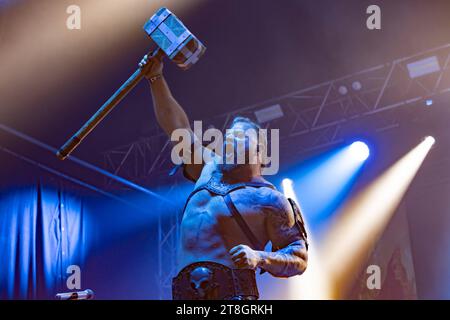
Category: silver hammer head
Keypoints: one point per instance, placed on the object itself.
(174, 39)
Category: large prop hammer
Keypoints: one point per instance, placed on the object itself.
(173, 39)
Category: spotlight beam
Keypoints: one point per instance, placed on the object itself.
(341, 167)
(362, 220)
(84, 163)
(313, 283)
(40, 62)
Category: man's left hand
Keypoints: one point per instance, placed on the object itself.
(245, 257)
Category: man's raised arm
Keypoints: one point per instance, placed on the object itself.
(169, 114)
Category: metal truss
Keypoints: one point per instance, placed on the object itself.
(314, 117)
(137, 161)
(321, 115)
(168, 240)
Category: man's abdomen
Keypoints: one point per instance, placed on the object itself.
(209, 231)
(202, 239)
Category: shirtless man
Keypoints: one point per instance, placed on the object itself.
(230, 216)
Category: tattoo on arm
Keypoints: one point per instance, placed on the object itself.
(286, 262)
(290, 254)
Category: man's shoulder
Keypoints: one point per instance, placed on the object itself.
(273, 199)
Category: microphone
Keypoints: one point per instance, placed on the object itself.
(77, 295)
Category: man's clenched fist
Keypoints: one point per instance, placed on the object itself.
(245, 257)
(152, 65)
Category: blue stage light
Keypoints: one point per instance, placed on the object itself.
(322, 183)
(359, 150)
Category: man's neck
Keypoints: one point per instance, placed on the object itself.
(242, 173)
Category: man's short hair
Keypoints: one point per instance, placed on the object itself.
(246, 120)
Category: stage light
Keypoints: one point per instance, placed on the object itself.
(355, 228)
(358, 225)
(423, 67)
(288, 189)
(269, 113)
(356, 85)
(343, 90)
(429, 141)
(429, 102)
(359, 150)
(323, 183)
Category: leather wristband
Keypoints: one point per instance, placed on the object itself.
(152, 79)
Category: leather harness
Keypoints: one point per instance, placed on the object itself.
(224, 282)
(216, 187)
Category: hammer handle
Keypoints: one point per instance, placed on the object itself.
(76, 139)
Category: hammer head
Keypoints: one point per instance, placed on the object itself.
(174, 39)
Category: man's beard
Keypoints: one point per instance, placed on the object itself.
(231, 163)
(228, 167)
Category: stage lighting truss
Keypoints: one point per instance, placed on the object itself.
(168, 239)
(139, 161)
(314, 117)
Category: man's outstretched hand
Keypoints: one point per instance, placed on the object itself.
(245, 257)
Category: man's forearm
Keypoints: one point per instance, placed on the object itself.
(169, 114)
(287, 262)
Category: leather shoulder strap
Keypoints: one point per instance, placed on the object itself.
(224, 191)
(259, 184)
(299, 222)
(242, 224)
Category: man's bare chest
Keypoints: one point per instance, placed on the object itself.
(207, 217)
